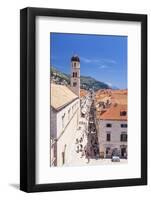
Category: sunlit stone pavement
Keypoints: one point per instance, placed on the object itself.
(76, 159)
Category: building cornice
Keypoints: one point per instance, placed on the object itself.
(62, 107)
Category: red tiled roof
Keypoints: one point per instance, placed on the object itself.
(114, 113)
(83, 92)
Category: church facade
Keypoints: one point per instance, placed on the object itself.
(64, 116)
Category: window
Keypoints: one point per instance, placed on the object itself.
(108, 125)
(74, 74)
(108, 137)
(75, 64)
(123, 137)
(63, 117)
(123, 125)
(74, 84)
(123, 113)
(63, 158)
(69, 114)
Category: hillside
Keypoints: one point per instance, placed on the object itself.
(86, 82)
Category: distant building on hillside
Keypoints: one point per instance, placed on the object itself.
(112, 131)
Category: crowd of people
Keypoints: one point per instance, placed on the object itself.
(90, 148)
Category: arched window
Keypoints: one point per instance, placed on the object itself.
(74, 64)
(74, 74)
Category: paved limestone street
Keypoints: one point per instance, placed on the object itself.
(79, 146)
(85, 147)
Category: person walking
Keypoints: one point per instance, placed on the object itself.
(88, 156)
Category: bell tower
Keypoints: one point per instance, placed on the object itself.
(75, 75)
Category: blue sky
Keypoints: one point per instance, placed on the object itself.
(103, 57)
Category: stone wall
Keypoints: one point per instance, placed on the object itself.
(64, 124)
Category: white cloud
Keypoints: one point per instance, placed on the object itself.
(111, 61)
(86, 60)
(103, 67)
(110, 84)
(100, 61)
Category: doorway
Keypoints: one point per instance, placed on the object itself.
(123, 152)
(63, 155)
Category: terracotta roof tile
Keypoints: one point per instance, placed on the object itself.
(114, 113)
(83, 92)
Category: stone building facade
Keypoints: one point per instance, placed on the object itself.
(64, 116)
(112, 132)
(64, 124)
